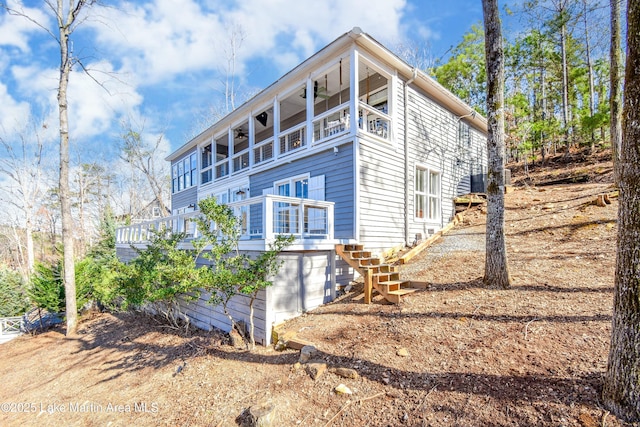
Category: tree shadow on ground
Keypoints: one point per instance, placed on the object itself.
(141, 342)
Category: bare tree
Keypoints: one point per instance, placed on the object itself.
(67, 15)
(496, 273)
(615, 84)
(621, 391)
(230, 88)
(142, 158)
(22, 166)
(416, 53)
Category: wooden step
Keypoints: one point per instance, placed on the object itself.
(384, 277)
(393, 282)
(391, 285)
(366, 262)
(349, 248)
(403, 291)
(359, 254)
(388, 268)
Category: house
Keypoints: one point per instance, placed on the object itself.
(351, 147)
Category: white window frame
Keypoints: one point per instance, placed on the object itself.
(189, 167)
(431, 198)
(212, 161)
(291, 182)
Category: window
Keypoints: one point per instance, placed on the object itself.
(286, 213)
(294, 187)
(184, 173)
(464, 135)
(427, 194)
(207, 162)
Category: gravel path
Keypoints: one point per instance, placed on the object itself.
(460, 239)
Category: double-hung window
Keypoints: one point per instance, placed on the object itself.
(427, 194)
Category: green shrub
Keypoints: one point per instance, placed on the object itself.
(47, 289)
(13, 298)
(159, 275)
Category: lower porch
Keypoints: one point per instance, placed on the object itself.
(261, 219)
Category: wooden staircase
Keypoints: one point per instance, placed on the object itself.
(384, 278)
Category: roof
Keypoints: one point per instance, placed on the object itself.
(420, 79)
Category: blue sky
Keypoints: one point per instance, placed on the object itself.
(160, 63)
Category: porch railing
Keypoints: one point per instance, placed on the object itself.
(374, 121)
(11, 325)
(332, 123)
(261, 217)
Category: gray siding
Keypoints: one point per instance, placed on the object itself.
(339, 188)
(303, 283)
(433, 143)
(184, 198)
(382, 183)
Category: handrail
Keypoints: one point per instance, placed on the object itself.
(259, 154)
(287, 144)
(379, 126)
(11, 325)
(261, 217)
(337, 126)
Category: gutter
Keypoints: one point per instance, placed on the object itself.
(407, 181)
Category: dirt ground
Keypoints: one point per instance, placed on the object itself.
(454, 354)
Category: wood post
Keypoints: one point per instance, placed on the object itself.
(368, 285)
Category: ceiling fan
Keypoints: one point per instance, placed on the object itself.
(240, 134)
(318, 92)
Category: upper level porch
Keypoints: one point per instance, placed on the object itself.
(345, 96)
(260, 220)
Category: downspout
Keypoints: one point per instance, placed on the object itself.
(407, 180)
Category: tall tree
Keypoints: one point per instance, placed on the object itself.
(615, 85)
(22, 165)
(621, 391)
(592, 107)
(496, 273)
(67, 16)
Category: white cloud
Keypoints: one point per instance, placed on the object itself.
(96, 102)
(163, 38)
(14, 114)
(148, 48)
(160, 39)
(313, 24)
(17, 30)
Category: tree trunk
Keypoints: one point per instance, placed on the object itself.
(496, 272)
(589, 72)
(615, 81)
(621, 391)
(252, 339)
(65, 27)
(565, 84)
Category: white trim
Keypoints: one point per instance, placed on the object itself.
(354, 92)
(356, 189)
(428, 196)
(290, 180)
